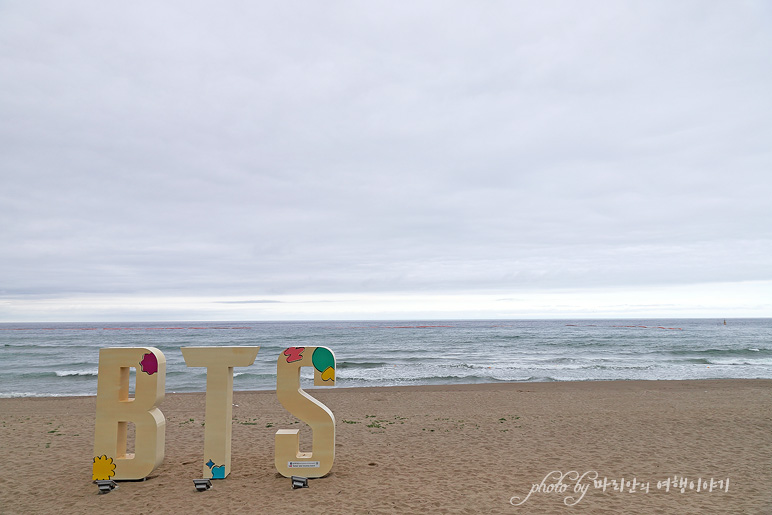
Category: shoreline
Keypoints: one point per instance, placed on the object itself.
(428, 387)
(460, 448)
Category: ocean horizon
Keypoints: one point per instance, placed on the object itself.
(61, 359)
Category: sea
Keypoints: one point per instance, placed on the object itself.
(62, 359)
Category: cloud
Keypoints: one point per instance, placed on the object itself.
(249, 301)
(719, 300)
(249, 151)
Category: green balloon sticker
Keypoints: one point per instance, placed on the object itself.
(324, 362)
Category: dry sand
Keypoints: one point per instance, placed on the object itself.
(442, 449)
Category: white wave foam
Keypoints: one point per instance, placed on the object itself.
(10, 395)
(66, 373)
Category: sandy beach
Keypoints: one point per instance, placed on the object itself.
(431, 449)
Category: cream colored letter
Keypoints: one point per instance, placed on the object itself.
(219, 363)
(114, 410)
(288, 458)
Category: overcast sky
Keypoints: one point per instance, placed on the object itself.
(254, 160)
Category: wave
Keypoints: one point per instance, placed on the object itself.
(67, 373)
(363, 364)
(739, 362)
(257, 375)
(43, 374)
(753, 352)
(442, 379)
(11, 395)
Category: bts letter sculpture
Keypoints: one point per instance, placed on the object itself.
(288, 458)
(219, 363)
(114, 410)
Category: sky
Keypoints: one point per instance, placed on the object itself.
(385, 160)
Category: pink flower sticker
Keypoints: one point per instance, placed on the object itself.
(294, 354)
(149, 364)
